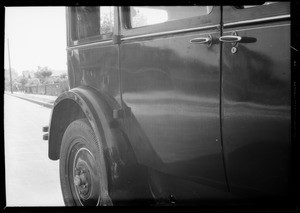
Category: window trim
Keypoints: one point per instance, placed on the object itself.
(87, 40)
(163, 33)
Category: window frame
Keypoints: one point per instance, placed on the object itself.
(71, 25)
(212, 18)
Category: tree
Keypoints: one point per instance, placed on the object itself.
(33, 81)
(22, 80)
(49, 81)
(43, 73)
(63, 75)
(106, 20)
(28, 74)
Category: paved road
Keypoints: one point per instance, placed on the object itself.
(31, 178)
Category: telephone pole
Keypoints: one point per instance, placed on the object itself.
(11, 88)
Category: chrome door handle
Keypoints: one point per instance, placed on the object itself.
(230, 38)
(202, 40)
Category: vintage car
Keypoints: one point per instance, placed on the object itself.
(175, 105)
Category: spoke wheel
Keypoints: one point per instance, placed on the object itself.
(82, 168)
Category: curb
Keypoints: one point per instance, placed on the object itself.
(44, 104)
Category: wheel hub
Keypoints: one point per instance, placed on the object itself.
(82, 180)
(85, 176)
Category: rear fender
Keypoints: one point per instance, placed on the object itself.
(81, 102)
(86, 102)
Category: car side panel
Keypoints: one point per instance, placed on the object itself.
(256, 100)
(172, 87)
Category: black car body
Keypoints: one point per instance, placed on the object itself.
(195, 109)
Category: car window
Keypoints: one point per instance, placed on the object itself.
(92, 22)
(144, 16)
(106, 20)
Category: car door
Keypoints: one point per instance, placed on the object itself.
(256, 104)
(170, 69)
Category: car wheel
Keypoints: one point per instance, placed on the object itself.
(83, 175)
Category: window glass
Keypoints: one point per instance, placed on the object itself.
(143, 16)
(88, 22)
(91, 22)
(106, 20)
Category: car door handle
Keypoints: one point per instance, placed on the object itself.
(230, 38)
(202, 40)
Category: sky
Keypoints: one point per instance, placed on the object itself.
(37, 37)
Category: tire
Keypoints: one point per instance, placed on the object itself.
(83, 174)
